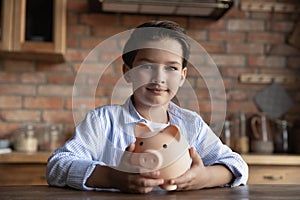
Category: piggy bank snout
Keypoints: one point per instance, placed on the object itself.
(150, 159)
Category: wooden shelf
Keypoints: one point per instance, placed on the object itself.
(273, 159)
(16, 157)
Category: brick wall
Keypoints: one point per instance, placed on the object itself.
(240, 42)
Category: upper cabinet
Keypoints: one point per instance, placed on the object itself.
(33, 29)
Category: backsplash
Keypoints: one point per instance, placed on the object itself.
(240, 42)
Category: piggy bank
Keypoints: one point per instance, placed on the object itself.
(165, 150)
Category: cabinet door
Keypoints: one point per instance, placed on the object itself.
(6, 18)
(31, 15)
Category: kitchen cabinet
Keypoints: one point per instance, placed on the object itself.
(23, 168)
(273, 169)
(33, 29)
(29, 169)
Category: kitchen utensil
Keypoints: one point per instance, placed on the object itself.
(260, 127)
(274, 101)
(262, 141)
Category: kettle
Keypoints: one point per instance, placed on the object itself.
(262, 141)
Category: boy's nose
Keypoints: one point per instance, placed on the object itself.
(158, 76)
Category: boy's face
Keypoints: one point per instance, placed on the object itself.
(156, 73)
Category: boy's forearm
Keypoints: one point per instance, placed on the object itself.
(218, 175)
(100, 177)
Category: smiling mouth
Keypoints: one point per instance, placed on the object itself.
(156, 89)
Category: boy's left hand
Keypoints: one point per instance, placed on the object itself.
(196, 177)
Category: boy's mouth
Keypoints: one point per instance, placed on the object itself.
(156, 89)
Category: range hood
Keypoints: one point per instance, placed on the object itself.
(203, 8)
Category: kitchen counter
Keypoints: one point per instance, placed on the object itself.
(242, 192)
(30, 168)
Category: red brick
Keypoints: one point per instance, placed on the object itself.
(60, 79)
(245, 48)
(58, 116)
(284, 49)
(87, 103)
(43, 103)
(10, 102)
(57, 68)
(91, 42)
(293, 62)
(242, 106)
(72, 18)
(76, 30)
(270, 38)
(226, 36)
(206, 24)
(9, 77)
(270, 61)
(72, 42)
(198, 35)
(92, 69)
(76, 55)
(21, 115)
(181, 20)
(78, 5)
(12, 65)
(213, 47)
(213, 83)
(131, 21)
(228, 60)
(99, 19)
(18, 89)
(34, 77)
(245, 25)
(55, 90)
(238, 95)
(106, 31)
(280, 26)
(234, 12)
(235, 72)
(8, 128)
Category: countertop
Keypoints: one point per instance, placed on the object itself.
(256, 192)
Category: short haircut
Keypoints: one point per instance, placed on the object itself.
(153, 31)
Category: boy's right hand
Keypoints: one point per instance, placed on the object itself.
(129, 179)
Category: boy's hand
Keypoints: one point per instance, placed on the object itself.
(129, 179)
(196, 177)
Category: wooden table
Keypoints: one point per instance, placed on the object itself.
(256, 192)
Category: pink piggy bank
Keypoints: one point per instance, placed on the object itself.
(165, 150)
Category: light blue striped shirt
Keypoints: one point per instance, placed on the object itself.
(104, 134)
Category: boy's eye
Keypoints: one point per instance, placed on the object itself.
(165, 146)
(171, 68)
(146, 66)
(141, 143)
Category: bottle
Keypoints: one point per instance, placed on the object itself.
(26, 140)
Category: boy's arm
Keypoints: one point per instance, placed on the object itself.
(199, 176)
(119, 178)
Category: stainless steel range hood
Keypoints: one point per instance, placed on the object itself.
(203, 8)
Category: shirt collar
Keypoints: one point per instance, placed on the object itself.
(130, 114)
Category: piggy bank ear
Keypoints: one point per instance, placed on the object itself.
(174, 131)
(141, 129)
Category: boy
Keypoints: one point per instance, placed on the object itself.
(94, 157)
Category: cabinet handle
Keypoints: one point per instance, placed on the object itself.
(273, 177)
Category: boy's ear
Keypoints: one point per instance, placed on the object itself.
(183, 76)
(126, 73)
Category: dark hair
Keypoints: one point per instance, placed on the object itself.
(155, 30)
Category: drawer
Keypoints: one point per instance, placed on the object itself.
(23, 174)
(259, 174)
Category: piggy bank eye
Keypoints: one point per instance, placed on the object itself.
(141, 143)
(165, 146)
